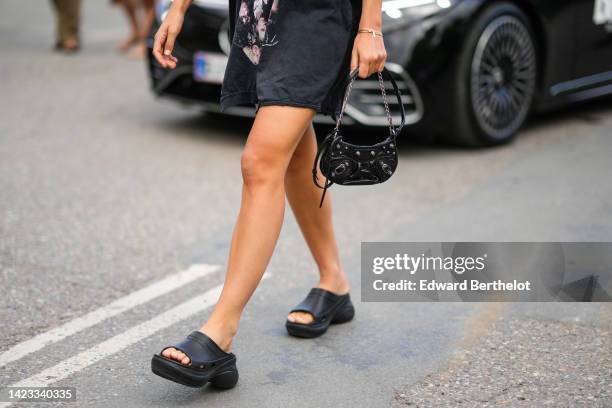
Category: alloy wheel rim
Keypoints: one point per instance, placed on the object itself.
(503, 76)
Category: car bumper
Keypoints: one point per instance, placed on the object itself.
(364, 107)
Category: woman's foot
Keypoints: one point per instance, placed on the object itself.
(208, 363)
(338, 285)
(222, 334)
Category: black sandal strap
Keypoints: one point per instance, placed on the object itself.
(201, 350)
(320, 303)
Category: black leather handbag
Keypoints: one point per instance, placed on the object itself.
(347, 164)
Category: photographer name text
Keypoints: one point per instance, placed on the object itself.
(457, 266)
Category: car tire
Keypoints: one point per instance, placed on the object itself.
(496, 77)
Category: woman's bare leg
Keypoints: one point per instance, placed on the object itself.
(272, 140)
(315, 223)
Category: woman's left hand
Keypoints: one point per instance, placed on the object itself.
(369, 54)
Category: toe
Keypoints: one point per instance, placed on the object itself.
(304, 318)
(177, 355)
(300, 317)
(183, 358)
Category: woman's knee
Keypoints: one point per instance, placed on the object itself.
(258, 167)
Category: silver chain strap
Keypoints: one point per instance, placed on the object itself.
(384, 95)
(346, 96)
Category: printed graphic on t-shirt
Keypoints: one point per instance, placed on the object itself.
(255, 27)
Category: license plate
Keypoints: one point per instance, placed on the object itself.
(209, 66)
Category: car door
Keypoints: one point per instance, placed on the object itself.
(593, 40)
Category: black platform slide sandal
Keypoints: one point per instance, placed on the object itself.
(208, 363)
(326, 307)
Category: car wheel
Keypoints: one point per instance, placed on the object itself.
(496, 77)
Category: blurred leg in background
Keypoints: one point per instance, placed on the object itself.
(149, 7)
(131, 12)
(149, 16)
(68, 16)
(139, 24)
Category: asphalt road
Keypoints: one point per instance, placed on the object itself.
(105, 190)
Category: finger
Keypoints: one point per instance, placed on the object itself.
(171, 60)
(169, 45)
(170, 63)
(383, 60)
(377, 62)
(364, 69)
(159, 57)
(380, 63)
(354, 59)
(373, 66)
(157, 48)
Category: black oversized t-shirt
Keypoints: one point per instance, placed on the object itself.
(292, 52)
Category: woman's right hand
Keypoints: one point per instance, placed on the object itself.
(165, 37)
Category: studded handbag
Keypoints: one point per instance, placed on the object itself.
(345, 163)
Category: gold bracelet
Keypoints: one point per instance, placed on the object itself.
(370, 30)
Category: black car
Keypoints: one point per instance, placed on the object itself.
(470, 71)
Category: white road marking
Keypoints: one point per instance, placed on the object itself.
(115, 344)
(134, 299)
(121, 341)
